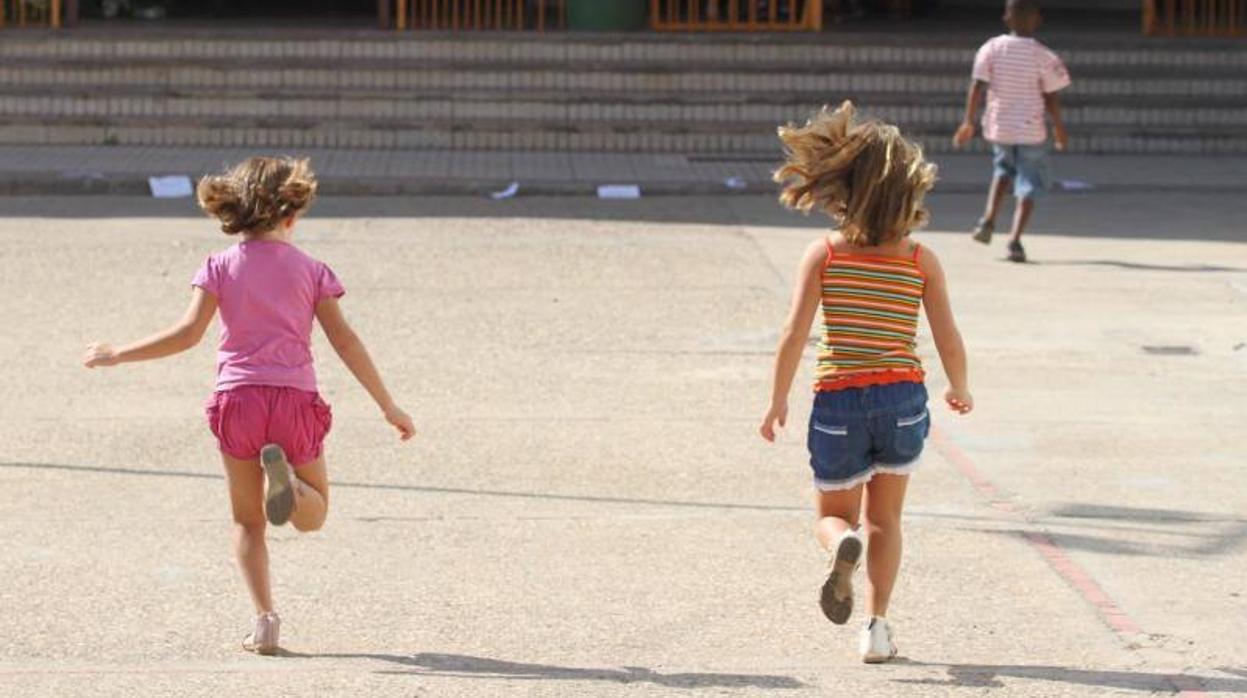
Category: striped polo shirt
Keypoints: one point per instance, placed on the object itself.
(1018, 71)
(870, 320)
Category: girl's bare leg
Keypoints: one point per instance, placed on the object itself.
(311, 496)
(246, 496)
(885, 497)
(838, 511)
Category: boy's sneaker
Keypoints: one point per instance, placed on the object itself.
(836, 598)
(1016, 252)
(279, 495)
(983, 231)
(876, 643)
(264, 639)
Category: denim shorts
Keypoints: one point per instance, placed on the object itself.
(1026, 165)
(857, 432)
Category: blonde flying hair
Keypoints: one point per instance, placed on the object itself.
(258, 194)
(866, 176)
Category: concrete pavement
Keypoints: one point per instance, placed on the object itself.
(124, 170)
(588, 509)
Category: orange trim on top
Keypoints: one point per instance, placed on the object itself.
(862, 380)
(831, 254)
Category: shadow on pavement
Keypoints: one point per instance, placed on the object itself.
(1135, 266)
(1135, 531)
(1224, 541)
(465, 666)
(1164, 216)
(428, 489)
(988, 676)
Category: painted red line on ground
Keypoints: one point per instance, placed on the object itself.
(1083, 584)
(1061, 563)
(1070, 571)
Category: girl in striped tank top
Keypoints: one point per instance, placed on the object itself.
(869, 281)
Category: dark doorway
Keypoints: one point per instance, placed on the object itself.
(300, 9)
(230, 9)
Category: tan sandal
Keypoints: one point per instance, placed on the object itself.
(279, 494)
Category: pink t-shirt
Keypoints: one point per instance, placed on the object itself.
(267, 293)
(1018, 71)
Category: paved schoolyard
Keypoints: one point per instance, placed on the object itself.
(588, 510)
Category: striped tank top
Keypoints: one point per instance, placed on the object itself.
(870, 320)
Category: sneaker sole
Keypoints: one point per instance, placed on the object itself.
(279, 501)
(836, 598)
(262, 651)
(878, 658)
(986, 239)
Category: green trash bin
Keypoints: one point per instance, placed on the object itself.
(606, 15)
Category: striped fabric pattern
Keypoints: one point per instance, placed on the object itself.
(870, 320)
(1018, 71)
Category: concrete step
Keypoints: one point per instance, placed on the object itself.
(561, 115)
(818, 52)
(1128, 68)
(186, 79)
(735, 139)
(867, 99)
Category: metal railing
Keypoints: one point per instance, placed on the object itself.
(736, 15)
(1194, 17)
(30, 13)
(475, 15)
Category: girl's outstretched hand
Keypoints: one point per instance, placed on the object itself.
(401, 422)
(959, 401)
(777, 414)
(99, 354)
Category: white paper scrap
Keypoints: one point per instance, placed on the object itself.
(619, 191)
(735, 183)
(510, 191)
(170, 187)
(1076, 185)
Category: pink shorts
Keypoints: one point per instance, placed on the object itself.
(246, 418)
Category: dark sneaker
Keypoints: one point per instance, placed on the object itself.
(1016, 252)
(279, 495)
(983, 231)
(836, 598)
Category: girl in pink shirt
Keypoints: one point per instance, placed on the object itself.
(267, 417)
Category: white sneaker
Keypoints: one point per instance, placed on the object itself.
(266, 636)
(876, 643)
(836, 598)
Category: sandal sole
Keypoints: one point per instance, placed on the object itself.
(279, 499)
(836, 598)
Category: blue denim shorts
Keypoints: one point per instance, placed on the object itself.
(1026, 165)
(857, 432)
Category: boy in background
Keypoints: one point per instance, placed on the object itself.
(1021, 78)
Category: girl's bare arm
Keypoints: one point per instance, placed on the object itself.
(178, 338)
(944, 330)
(355, 355)
(806, 296)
